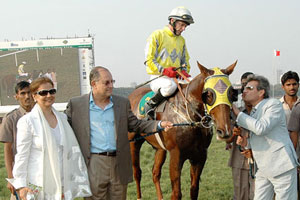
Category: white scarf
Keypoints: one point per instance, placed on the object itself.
(76, 182)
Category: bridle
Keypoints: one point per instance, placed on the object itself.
(221, 90)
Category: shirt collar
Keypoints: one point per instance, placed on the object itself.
(255, 107)
(282, 99)
(285, 104)
(92, 98)
(22, 110)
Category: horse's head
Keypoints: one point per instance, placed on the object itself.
(218, 96)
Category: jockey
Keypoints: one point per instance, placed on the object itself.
(165, 51)
(21, 71)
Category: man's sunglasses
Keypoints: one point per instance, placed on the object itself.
(108, 82)
(249, 87)
(45, 92)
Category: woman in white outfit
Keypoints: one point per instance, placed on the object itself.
(48, 163)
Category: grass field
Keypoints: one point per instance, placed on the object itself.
(216, 183)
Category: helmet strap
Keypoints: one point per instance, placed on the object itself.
(173, 25)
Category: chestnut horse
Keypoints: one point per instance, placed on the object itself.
(183, 142)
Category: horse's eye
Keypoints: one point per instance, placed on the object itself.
(209, 97)
(204, 97)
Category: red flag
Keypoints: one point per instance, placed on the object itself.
(276, 52)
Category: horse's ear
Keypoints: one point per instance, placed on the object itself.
(229, 69)
(203, 69)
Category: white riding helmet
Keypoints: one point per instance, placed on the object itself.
(24, 62)
(182, 14)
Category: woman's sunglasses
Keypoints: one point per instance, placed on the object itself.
(45, 92)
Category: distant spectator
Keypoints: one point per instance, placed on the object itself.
(53, 77)
(290, 85)
(21, 70)
(48, 74)
(41, 74)
(8, 128)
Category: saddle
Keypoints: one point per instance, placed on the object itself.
(141, 110)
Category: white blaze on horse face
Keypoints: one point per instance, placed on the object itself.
(222, 134)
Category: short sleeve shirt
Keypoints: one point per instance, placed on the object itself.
(8, 128)
(294, 122)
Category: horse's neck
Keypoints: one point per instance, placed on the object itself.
(194, 90)
(190, 99)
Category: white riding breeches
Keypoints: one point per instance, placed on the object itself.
(23, 74)
(166, 85)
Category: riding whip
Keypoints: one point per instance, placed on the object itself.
(140, 85)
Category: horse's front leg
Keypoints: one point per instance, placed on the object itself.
(159, 160)
(195, 173)
(175, 173)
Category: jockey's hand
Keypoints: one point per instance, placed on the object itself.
(247, 153)
(185, 74)
(170, 72)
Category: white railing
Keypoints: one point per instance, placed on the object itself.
(6, 109)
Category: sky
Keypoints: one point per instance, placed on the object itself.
(224, 31)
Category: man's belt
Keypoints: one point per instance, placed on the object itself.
(112, 153)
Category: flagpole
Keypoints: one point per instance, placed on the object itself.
(276, 64)
(274, 71)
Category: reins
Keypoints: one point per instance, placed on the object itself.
(205, 120)
(152, 133)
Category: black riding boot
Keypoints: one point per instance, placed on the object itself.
(152, 104)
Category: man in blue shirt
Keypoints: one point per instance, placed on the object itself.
(101, 122)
